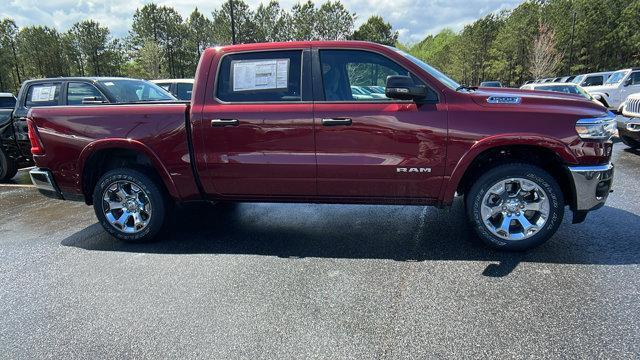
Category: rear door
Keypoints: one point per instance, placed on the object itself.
(372, 146)
(257, 127)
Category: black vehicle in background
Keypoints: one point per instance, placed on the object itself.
(491, 84)
(15, 148)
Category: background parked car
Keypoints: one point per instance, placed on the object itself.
(7, 103)
(618, 87)
(567, 88)
(491, 84)
(593, 79)
(629, 127)
(15, 149)
(180, 88)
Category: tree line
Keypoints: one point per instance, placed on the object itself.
(161, 43)
(539, 38)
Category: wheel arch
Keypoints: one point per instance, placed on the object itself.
(549, 154)
(103, 155)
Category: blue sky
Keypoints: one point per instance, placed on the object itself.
(414, 19)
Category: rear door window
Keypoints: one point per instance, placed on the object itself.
(271, 76)
(77, 92)
(635, 78)
(46, 94)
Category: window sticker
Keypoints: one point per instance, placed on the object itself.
(43, 93)
(252, 75)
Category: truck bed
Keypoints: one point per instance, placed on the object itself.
(73, 134)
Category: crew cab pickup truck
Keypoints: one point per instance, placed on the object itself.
(14, 141)
(278, 122)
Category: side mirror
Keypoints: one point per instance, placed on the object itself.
(628, 81)
(89, 100)
(403, 88)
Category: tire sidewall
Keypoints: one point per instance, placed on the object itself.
(152, 191)
(529, 172)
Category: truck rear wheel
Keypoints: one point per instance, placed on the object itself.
(515, 207)
(129, 205)
(8, 167)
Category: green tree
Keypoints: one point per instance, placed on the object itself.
(245, 27)
(375, 29)
(11, 71)
(333, 22)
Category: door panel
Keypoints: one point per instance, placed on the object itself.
(368, 145)
(363, 159)
(259, 141)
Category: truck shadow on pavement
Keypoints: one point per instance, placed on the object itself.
(402, 233)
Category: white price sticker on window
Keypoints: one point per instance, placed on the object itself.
(252, 75)
(43, 93)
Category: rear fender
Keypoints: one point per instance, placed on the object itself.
(104, 144)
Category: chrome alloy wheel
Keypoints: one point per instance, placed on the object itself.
(515, 209)
(126, 206)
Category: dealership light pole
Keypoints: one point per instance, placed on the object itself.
(233, 23)
(573, 31)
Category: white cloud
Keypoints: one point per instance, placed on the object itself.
(413, 18)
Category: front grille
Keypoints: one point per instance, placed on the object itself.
(632, 108)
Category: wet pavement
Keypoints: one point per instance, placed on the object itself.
(317, 281)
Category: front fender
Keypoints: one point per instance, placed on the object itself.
(503, 140)
(128, 144)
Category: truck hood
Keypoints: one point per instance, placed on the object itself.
(510, 98)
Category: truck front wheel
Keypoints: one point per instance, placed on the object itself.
(515, 206)
(129, 205)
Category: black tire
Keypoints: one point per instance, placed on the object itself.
(152, 189)
(8, 167)
(515, 170)
(634, 144)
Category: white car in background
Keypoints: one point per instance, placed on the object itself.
(566, 88)
(629, 123)
(618, 87)
(592, 79)
(180, 88)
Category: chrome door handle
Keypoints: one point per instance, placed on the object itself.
(336, 122)
(224, 122)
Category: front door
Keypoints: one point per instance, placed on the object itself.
(368, 145)
(257, 129)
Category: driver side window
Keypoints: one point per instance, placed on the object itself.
(355, 75)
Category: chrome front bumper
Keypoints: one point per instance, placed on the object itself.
(43, 181)
(592, 185)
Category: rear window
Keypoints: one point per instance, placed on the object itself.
(260, 76)
(47, 94)
(7, 102)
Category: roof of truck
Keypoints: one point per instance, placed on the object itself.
(80, 78)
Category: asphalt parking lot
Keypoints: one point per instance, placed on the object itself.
(317, 281)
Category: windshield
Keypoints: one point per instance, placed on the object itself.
(569, 89)
(616, 77)
(430, 69)
(131, 90)
(578, 79)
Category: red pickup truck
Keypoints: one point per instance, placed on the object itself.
(331, 122)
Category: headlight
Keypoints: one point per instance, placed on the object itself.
(600, 128)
